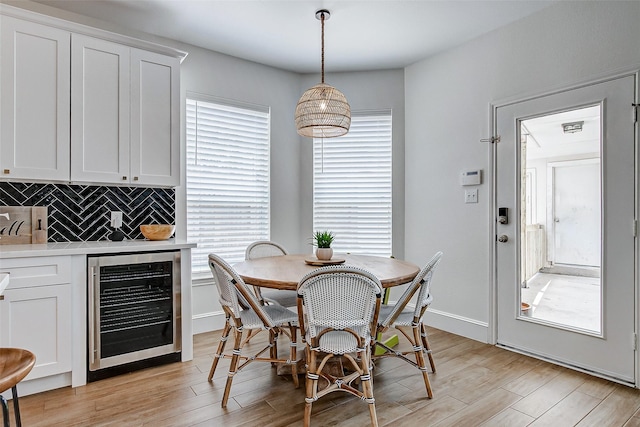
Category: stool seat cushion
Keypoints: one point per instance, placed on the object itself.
(15, 364)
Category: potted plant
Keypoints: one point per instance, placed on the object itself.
(322, 240)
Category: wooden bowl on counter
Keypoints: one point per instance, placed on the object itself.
(157, 231)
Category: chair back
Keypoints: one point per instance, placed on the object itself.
(340, 297)
(264, 248)
(233, 292)
(421, 282)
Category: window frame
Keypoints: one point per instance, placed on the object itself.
(362, 122)
(231, 246)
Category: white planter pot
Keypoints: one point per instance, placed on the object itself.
(324, 254)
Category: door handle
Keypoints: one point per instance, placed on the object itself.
(93, 326)
(503, 238)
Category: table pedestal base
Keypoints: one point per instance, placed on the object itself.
(334, 366)
(285, 369)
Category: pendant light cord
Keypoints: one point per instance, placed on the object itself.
(322, 22)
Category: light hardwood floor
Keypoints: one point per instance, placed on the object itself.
(475, 384)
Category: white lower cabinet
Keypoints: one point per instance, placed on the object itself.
(36, 311)
(39, 319)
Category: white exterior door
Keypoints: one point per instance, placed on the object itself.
(609, 349)
(576, 212)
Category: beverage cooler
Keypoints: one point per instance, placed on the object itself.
(133, 312)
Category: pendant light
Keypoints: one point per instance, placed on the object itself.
(323, 111)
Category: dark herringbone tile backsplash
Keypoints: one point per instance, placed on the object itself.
(83, 212)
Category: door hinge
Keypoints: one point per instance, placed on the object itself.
(635, 228)
(634, 341)
(634, 116)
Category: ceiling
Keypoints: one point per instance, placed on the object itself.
(360, 35)
(546, 137)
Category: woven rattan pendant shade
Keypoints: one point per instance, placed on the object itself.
(323, 111)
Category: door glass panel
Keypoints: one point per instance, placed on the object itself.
(560, 221)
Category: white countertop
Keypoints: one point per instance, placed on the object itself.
(4, 282)
(90, 248)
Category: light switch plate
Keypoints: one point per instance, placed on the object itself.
(471, 196)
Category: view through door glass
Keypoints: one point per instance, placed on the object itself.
(561, 219)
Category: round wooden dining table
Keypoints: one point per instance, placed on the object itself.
(285, 271)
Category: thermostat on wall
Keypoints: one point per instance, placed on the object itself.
(471, 177)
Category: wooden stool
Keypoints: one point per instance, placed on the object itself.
(15, 364)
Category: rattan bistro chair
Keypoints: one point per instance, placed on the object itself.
(338, 306)
(402, 318)
(273, 318)
(262, 249)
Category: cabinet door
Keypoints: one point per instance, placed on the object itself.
(155, 119)
(99, 111)
(35, 101)
(39, 319)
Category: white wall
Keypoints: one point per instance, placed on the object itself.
(447, 113)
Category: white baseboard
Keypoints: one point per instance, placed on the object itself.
(37, 385)
(207, 322)
(459, 325)
(453, 323)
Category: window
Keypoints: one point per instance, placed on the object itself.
(227, 179)
(352, 185)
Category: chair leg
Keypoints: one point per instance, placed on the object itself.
(311, 386)
(417, 350)
(367, 386)
(425, 344)
(221, 345)
(5, 412)
(237, 348)
(16, 406)
(293, 355)
(273, 342)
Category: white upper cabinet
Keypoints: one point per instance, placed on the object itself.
(80, 108)
(124, 114)
(155, 119)
(35, 79)
(99, 111)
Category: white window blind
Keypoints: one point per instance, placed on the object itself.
(352, 185)
(227, 179)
